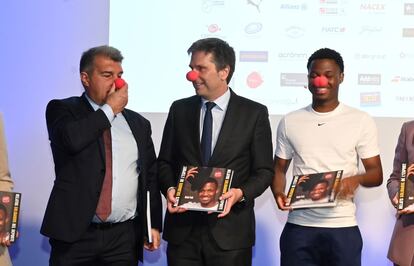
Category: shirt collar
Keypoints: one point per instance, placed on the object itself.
(92, 103)
(221, 102)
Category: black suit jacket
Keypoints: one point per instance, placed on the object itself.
(244, 145)
(75, 133)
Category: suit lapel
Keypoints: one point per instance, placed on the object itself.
(192, 115)
(137, 132)
(226, 131)
(87, 108)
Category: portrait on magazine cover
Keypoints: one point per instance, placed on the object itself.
(202, 187)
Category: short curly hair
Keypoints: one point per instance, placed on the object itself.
(326, 53)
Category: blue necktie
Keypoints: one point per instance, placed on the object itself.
(206, 137)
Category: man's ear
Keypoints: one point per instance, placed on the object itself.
(341, 77)
(224, 73)
(85, 79)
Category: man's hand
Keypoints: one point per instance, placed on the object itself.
(5, 240)
(118, 99)
(395, 200)
(233, 196)
(407, 210)
(156, 240)
(347, 187)
(171, 200)
(281, 200)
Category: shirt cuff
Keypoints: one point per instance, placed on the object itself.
(108, 112)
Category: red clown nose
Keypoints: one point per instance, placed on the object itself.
(192, 75)
(119, 83)
(320, 82)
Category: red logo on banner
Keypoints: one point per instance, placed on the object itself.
(254, 80)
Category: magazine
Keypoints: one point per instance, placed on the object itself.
(199, 188)
(406, 191)
(9, 214)
(314, 190)
(149, 223)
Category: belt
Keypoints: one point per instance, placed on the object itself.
(103, 226)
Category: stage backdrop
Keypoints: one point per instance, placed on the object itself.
(42, 42)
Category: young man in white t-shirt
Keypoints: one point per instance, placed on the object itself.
(325, 136)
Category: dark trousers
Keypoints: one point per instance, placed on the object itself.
(200, 249)
(114, 245)
(320, 246)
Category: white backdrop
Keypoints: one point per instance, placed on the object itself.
(272, 40)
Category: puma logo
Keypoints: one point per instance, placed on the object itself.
(321, 124)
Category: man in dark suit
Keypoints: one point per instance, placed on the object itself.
(240, 140)
(86, 227)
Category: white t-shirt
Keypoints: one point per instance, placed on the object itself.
(322, 142)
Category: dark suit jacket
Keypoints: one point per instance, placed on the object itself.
(75, 133)
(244, 145)
(401, 250)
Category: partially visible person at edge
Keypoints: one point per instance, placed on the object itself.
(401, 249)
(325, 136)
(241, 140)
(94, 137)
(6, 184)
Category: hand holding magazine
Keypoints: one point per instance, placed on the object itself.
(406, 191)
(9, 214)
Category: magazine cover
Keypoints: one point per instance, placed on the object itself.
(199, 188)
(314, 190)
(406, 193)
(9, 214)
